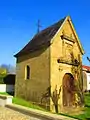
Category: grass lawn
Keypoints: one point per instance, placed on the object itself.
(25, 103)
(4, 93)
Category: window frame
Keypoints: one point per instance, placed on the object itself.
(27, 72)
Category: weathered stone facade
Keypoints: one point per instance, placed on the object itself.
(49, 65)
(39, 63)
(61, 49)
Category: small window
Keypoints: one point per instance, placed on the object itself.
(27, 72)
(79, 57)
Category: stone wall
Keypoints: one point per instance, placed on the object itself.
(36, 86)
(61, 49)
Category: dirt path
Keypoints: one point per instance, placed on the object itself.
(8, 114)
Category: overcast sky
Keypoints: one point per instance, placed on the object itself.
(18, 23)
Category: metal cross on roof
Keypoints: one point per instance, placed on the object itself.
(38, 26)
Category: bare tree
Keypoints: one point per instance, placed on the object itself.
(88, 59)
(55, 96)
(9, 68)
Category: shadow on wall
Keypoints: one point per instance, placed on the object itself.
(9, 79)
(34, 53)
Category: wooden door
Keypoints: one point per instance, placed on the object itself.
(68, 89)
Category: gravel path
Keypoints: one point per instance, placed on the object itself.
(8, 114)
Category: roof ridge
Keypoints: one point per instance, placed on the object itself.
(43, 37)
(51, 25)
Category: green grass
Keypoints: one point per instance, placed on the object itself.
(25, 103)
(87, 99)
(4, 93)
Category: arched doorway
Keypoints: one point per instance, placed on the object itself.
(68, 89)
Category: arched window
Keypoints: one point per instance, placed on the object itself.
(27, 72)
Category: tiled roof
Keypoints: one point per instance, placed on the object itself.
(41, 39)
(87, 68)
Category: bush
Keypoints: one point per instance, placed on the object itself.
(2, 79)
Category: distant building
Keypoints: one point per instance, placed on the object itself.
(9, 79)
(86, 78)
(48, 66)
(7, 83)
